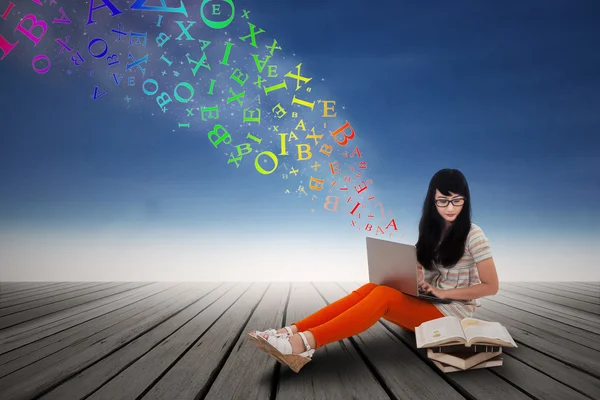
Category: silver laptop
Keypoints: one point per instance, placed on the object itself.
(395, 265)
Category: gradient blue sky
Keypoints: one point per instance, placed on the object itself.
(506, 92)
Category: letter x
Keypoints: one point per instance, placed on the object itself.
(233, 159)
(297, 77)
(136, 63)
(190, 111)
(184, 30)
(252, 34)
(246, 14)
(63, 45)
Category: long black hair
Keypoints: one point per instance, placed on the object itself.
(431, 226)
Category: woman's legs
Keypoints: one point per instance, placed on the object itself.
(380, 302)
(332, 310)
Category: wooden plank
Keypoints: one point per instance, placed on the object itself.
(53, 370)
(573, 288)
(10, 284)
(403, 372)
(536, 383)
(27, 336)
(7, 288)
(32, 352)
(545, 312)
(36, 299)
(33, 291)
(87, 380)
(570, 353)
(10, 320)
(583, 310)
(87, 288)
(475, 384)
(29, 354)
(592, 284)
(73, 316)
(191, 379)
(577, 380)
(578, 314)
(237, 380)
(567, 332)
(559, 292)
(337, 370)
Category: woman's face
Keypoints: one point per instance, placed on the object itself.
(449, 206)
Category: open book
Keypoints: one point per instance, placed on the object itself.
(469, 331)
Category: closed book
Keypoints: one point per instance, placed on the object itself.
(494, 362)
(459, 348)
(462, 360)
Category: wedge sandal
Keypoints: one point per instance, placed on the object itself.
(280, 348)
(272, 332)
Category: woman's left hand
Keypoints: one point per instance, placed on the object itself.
(427, 288)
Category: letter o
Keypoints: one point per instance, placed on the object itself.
(261, 169)
(35, 59)
(187, 86)
(155, 84)
(92, 43)
(215, 24)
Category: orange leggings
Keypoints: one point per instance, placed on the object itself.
(361, 309)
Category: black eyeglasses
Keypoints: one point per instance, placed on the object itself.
(445, 202)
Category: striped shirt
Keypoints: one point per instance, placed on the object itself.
(461, 275)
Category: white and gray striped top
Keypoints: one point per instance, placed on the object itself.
(463, 274)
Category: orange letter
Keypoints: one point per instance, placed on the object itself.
(341, 130)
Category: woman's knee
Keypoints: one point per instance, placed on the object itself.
(387, 294)
(365, 289)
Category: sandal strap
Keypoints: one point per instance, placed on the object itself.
(306, 345)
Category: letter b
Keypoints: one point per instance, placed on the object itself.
(328, 201)
(34, 23)
(225, 137)
(316, 184)
(304, 149)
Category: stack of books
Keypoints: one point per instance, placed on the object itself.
(458, 345)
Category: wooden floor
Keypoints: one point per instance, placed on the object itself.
(141, 340)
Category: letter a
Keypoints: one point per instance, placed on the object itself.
(140, 5)
(105, 3)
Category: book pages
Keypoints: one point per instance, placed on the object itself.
(480, 330)
(445, 329)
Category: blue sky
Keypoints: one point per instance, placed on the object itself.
(508, 93)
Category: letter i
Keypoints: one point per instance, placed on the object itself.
(227, 53)
(166, 60)
(283, 148)
(10, 6)
(355, 207)
(159, 19)
(250, 136)
(212, 86)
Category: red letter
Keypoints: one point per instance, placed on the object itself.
(346, 137)
(6, 47)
